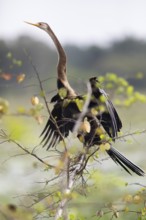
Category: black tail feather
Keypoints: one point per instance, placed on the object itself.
(127, 165)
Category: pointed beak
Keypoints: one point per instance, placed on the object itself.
(37, 25)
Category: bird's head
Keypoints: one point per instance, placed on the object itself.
(42, 25)
(93, 79)
(94, 82)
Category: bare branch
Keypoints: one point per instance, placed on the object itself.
(45, 99)
(78, 167)
(32, 154)
(7, 138)
(138, 184)
(131, 134)
(85, 108)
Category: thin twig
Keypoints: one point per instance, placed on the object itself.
(32, 154)
(45, 100)
(71, 176)
(138, 184)
(86, 161)
(85, 108)
(131, 134)
(7, 138)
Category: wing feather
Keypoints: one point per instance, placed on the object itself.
(60, 123)
(110, 119)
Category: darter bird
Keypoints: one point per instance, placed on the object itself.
(101, 122)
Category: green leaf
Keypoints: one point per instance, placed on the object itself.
(80, 104)
(72, 217)
(130, 90)
(62, 92)
(121, 81)
(9, 55)
(111, 77)
(139, 75)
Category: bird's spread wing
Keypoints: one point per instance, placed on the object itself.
(95, 137)
(61, 122)
(110, 118)
(52, 134)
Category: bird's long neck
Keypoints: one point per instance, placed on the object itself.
(61, 67)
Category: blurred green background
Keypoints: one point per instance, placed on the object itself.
(21, 174)
(99, 37)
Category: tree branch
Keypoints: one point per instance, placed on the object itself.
(8, 139)
(45, 99)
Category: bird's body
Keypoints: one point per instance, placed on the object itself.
(100, 114)
(100, 123)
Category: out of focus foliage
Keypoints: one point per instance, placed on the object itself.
(123, 93)
(126, 58)
(96, 195)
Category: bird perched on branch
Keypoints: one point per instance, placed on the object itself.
(100, 123)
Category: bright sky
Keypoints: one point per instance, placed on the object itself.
(75, 21)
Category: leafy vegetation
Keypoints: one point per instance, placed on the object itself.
(126, 58)
(96, 191)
